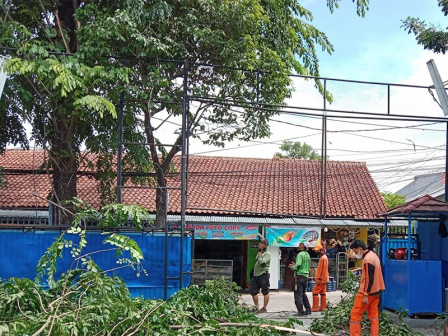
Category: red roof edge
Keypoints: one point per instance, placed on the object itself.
(425, 203)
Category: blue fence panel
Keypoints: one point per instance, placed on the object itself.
(21, 251)
(397, 243)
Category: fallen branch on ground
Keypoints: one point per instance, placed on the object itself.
(245, 325)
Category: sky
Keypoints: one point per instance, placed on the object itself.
(374, 47)
(377, 49)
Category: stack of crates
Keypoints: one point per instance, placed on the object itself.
(310, 285)
(331, 286)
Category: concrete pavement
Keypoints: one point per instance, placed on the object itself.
(281, 307)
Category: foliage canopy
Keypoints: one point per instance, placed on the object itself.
(69, 61)
(297, 150)
(393, 200)
(431, 37)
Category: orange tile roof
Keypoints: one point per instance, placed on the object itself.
(222, 185)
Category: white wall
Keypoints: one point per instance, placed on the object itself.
(274, 269)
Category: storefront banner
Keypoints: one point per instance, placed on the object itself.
(291, 237)
(226, 232)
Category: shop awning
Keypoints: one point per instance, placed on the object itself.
(263, 221)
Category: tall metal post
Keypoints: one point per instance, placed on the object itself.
(185, 113)
(384, 251)
(446, 165)
(388, 98)
(165, 268)
(120, 145)
(409, 235)
(323, 182)
(323, 170)
(439, 86)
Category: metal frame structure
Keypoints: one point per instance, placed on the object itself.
(322, 111)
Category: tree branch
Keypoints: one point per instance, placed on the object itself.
(58, 205)
(247, 325)
(58, 21)
(6, 13)
(173, 151)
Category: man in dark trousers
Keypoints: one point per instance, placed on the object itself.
(301, 269)
(370, 288)
(261, 275)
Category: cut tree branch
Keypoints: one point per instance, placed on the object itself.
(248, 325)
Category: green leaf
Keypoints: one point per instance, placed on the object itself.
(97, 104)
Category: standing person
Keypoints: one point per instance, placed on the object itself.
(261, 275)
(370, 287)
(301, 268)
(351, 257)
(321, 278)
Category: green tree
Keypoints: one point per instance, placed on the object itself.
(393, 200)
(71, 59)
(428, 35)
(297, 150)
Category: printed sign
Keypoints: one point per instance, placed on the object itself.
(226, 232)
(291, 237)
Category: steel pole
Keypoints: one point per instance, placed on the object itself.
(446, 164)
(185, 112)
(120, 145)
(165, 266)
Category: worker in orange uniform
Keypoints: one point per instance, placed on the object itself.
(370, 288)
(321, 279)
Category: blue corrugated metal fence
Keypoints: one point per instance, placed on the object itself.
(20, 252)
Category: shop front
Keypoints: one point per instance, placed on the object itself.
(227, 246)
(221, 251)
(283, 242)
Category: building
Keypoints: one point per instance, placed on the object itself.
(229, 201)
(427, 184)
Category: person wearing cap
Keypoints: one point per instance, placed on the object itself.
(370, 287)
(261, 275)
(301, 268)
(321, 279)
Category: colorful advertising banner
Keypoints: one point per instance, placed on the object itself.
(291, 237)
(227, 232)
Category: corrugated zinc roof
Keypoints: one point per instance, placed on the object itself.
(236, 220)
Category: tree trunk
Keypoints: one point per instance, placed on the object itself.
(64, 163)
(161, 200)
(64, 188)
(62, 153)
(161, 167)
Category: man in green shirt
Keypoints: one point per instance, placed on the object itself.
(301, 269)
(261, 275)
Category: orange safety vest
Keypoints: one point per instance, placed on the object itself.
(322, 269)
(372, 281)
